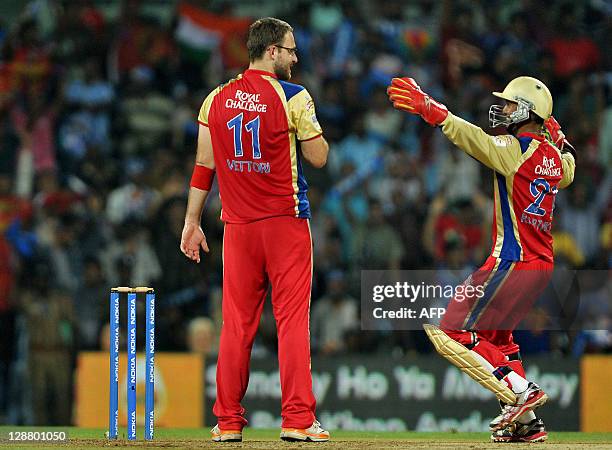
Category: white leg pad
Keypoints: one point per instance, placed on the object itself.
(465, 360)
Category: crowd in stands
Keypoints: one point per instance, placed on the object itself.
(98, 108)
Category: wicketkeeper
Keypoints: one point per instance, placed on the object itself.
(530, 164)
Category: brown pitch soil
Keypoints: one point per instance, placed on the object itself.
(374, 444)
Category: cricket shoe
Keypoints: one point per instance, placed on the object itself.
(494, 424)
(313, 434)
(219, 435)
(532, 398)
(534, 431)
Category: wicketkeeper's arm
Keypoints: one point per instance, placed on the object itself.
(500, 153)
(568, 164)
(568, 153)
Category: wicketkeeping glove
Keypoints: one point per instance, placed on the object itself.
(554, 131)
(558, 137)
(406, 94)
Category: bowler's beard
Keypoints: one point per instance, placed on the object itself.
(282, 72)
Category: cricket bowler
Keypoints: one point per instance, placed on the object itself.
(254, 132)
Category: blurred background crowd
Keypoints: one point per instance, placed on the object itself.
(98, 106)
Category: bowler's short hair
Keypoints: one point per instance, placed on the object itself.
(263, 33)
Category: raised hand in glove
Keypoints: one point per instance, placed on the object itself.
(406, 94)
(554, 131)
(557, 136)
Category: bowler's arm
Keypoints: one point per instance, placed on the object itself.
(309, 133)
(192, 237)
(315, 151)
(204, 157)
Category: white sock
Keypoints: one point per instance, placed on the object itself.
(527, 417)
(519, 384)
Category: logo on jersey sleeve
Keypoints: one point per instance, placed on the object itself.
(548, 168)
(310, 109)
(502, 141)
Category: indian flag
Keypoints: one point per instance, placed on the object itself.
(200, 33)
(196, 40)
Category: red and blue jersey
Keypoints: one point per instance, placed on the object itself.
(256, 122)
(528, 172)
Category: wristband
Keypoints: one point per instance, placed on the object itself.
(202, 177)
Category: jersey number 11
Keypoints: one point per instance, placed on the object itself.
(252, 127)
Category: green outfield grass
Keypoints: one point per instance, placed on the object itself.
(264, 439)
(265, 435)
